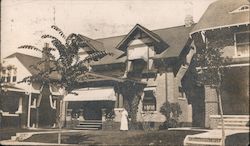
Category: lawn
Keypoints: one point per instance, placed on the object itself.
(164, 137)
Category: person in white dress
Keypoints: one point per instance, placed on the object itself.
(124, 120)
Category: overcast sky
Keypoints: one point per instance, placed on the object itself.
(24, 21)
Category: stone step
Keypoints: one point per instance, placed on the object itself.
(234, 127)
(231, 116)
(92, 125)
(194, 141)
(89, 125)
(91, 121)
(13, 138)
(234, 124)
(86, 128)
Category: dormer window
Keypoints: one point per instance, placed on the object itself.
(138, 50)
(243, 8)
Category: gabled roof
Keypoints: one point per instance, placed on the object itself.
(125, 40)
(93, 44)
(26, 60)
(176, 38)
(219, 14)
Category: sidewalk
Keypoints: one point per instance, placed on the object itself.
(24, 135)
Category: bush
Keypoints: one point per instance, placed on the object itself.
(110, 114)
(171, 111)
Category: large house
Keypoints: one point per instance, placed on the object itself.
(148, 68)
(147, 64)
(226, 24)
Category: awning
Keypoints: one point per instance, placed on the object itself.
(92, 94)
(12, 88)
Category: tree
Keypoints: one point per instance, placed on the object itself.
(171, 111)
(67, 66)
(209, 66)
(133, 92)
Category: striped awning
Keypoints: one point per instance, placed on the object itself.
(92, 94)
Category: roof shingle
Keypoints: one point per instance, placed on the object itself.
(218, 15)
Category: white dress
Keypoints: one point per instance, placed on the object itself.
(124, 120)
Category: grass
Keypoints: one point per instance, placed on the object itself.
(6, 133)
(164, 137)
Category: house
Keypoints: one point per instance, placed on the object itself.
(226, 21)
(146, 68)
(22, 103)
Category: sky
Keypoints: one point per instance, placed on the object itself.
(23, 22)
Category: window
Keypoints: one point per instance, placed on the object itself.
(242, 42)
(8, 79)
(243, 8)
(14, 79)
(149, 101)
(33, 103)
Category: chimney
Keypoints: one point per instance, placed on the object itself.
(189, 20)
(45, 56)
(189, 13)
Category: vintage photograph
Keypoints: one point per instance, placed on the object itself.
(124, 72)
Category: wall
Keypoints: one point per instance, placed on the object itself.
(22, 72)
(155, 116)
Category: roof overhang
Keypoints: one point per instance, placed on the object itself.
(219, 27)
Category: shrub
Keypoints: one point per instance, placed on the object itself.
(110, 114)
(171, 111)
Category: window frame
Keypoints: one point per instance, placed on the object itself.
(239, 44)
(154, 103)
(239, 9)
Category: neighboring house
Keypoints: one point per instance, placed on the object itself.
(226, 21)
(23, 101)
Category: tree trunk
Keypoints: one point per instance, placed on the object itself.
(222, 118)
(134, 109)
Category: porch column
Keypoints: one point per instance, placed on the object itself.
(69, 118)
(103, 114)
(20, 106)
(169, 85)
(81, 118)
(211, 104)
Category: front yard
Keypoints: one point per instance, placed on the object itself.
(164, 137)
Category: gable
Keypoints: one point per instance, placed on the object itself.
(26, 61)
(141, 33)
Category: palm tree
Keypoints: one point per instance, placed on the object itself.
(67, 66)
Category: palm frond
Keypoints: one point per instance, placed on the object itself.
(29, 47)
(45, 36)
(59, 31)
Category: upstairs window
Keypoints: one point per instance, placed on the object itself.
(243, 8)
(9, 74)
(242, 42)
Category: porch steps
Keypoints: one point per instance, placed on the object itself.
(89, 125)
(233, 124)
(211, 138)
(240, 122)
